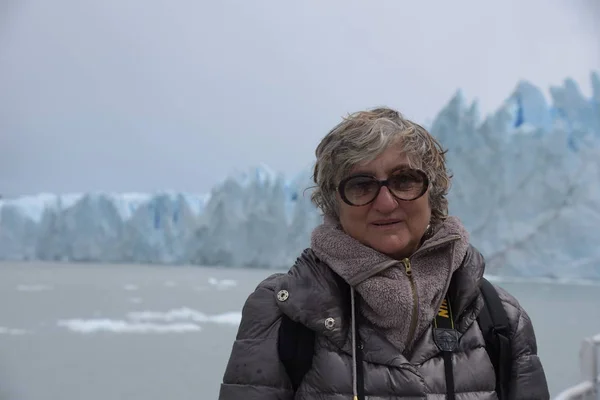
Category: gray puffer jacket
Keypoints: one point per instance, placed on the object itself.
(254, 371)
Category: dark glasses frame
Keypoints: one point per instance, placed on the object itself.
(381, 183)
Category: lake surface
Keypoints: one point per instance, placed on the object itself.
(98, 332)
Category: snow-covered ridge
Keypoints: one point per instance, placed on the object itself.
(526, 184)
(126, 204)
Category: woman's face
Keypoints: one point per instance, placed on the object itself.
(388, 225)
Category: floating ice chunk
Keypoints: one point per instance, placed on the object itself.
(33, 288)
(12, 331)
(87, 326)
(186, 314)
(179, 320)
(222, 284)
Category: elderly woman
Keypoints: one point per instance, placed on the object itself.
(389, 300)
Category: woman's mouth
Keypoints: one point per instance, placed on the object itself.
(387, 222)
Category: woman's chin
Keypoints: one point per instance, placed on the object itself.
(395, 247)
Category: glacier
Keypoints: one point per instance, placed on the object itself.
(526, 183)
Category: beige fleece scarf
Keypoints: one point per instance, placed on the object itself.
(382, 282)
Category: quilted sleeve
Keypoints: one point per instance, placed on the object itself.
(254, 371)
(528, 378)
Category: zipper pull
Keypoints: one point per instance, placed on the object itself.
(407, 267)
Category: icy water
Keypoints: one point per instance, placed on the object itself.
(99, 332)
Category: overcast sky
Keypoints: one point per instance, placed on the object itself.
(144, 95)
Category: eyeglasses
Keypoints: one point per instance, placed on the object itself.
(406, 185)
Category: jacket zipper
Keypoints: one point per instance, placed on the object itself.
(415, 311)
(415, 295)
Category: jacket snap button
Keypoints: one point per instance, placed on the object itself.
(330, 323)
(282, 295)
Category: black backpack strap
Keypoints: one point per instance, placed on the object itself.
(296, 345)
(493, 322)
(360, 368)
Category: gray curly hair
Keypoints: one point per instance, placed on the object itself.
(363, 136)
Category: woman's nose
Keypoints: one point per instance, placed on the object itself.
(385, 201)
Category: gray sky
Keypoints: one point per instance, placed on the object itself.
(148, 95)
